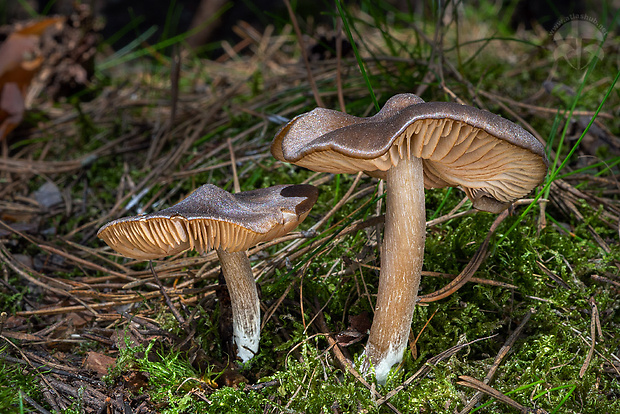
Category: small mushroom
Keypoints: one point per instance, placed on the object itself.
(211, 218)
(412, 145)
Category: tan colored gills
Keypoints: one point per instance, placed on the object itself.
(211, 218)
(253, 217)
(413, 144)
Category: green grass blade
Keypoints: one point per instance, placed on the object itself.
(360, 62)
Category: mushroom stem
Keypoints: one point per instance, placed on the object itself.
(244, 301)
(402, 254)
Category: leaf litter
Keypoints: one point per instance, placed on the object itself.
(97, 333)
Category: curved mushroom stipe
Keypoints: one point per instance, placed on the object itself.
(414, 145)
(211, 218)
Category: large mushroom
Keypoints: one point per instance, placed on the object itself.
(211, 218)
(412, 145)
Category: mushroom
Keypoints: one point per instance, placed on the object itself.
(211, 218)
(412, 145)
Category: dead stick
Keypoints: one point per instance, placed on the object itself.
(173, 309)
(5, 257)
(484, 388)
(498, 360)
(469, 270)
(304, 53)
(426, 368)
(593, 325)
(91, 265)
(342, 360)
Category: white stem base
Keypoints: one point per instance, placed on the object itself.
(244, 302)
(402, 254)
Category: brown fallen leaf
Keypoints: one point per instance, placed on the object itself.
(358, 328)
(11, 108)
(19, 63)
(136, 380)
(99, 363)
(230, 378)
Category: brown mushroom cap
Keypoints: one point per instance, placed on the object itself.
(211, 218)
(494, 160)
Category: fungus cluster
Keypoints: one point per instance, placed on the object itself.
(409, 143)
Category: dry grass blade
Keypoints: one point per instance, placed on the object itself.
(344, 362)
(428, 366)
(469, 270)
(480, 386)
(498, 360)
(594, 323)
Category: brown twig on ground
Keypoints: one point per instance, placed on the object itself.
(428, 366)
(33, 403)
(557, 279)
(594, 324)
(498, 360)
(6, 257)
(162, 289)
(344, 362)
(90, 265)
(469, 270)
(480, 386)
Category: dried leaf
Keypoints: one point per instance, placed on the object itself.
(359, 325)
(99, 363)
(19, 62)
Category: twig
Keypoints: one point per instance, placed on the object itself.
(5, 257)
(344, 362)
(233, 165)
(498, 360)
(173, 309)
(91, 265)
(103, 305)
(304, 54)
(552, 275)
(27, 361)
(484, 388)
(338, 205)
(428, 366)
(32, 402)
(469, 270)
(47, 366)
(594, 322)
(605, 280)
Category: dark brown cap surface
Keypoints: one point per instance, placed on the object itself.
(494, 160)
(210, 218)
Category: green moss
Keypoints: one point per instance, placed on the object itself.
(15, 380)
